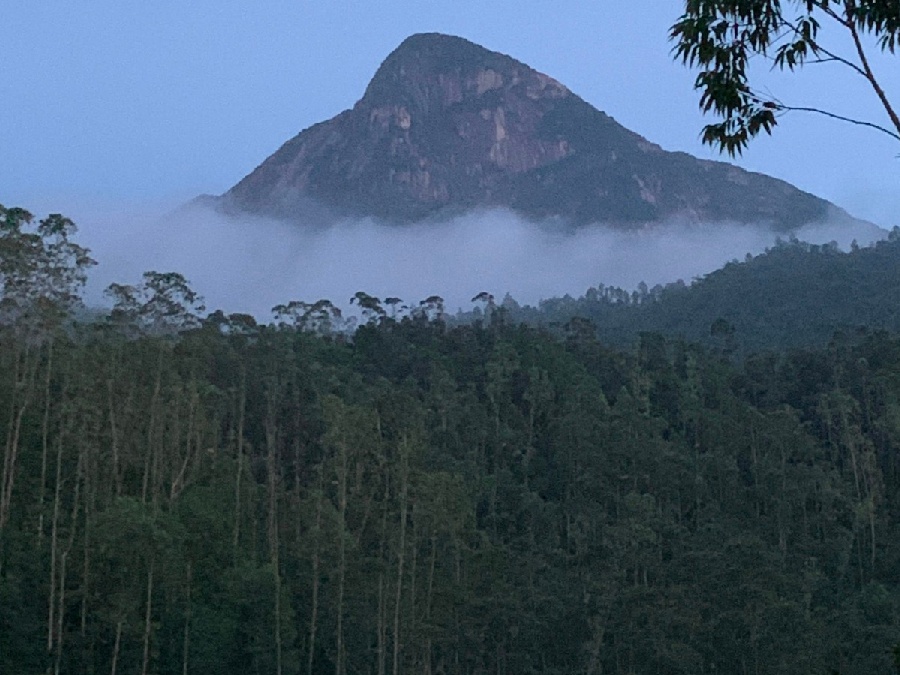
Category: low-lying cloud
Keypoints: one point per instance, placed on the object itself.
(245, 264)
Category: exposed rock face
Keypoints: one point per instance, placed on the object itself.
(446, 126)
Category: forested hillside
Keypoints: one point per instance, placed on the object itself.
(213, 496)
(793, 295)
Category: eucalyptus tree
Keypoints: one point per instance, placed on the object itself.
(321, 317)
(162, 304)
(42, 274)
(42, 270)
(369, 306)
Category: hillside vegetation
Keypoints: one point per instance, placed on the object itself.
(207, 495)
(793, 295)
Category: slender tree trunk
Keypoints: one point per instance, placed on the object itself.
(114, 438)
(314, 611)
(54, 548)
(428, 596)
(458, 576)
(381, 625)
(401, 553)
(271, 470)
(242, 406)
(413, 625)
(850, 442)
(382, 601)
(148, 614)
(116, 646)
(8, 456)
(61, 612)
(45, 439)
(90, 481)
(343, 469)
(11, 452)
(178, 482)
(186, 641)
(150, 459)
(90, 498)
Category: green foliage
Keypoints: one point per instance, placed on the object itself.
(42, 271)
(162, 304)
(566, 507)
(419, 497)
(794, 295)
(721, 37)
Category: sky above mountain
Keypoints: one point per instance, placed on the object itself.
(156, 102)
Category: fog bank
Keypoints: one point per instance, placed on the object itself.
(244, 264)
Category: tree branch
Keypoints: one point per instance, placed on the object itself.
(826, 7)
(818, 48)
(835, 57)
(862, 123)
(869, 74)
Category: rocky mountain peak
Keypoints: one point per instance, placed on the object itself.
(446, 126)
(430, 72)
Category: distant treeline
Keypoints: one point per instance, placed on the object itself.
(793, 295)
(189, 494)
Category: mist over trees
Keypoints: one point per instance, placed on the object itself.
(191, 492)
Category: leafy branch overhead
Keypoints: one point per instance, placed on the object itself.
(721, 37)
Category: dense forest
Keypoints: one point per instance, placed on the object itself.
(794, 294)
(190, 493)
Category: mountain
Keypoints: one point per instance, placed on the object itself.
(447, 126)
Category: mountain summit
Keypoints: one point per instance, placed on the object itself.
(446, 126)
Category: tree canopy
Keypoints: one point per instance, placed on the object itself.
(721, 37)
(208, 495)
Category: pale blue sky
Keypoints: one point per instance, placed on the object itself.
(154, 102)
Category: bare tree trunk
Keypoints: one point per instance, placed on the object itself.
(186, 643)
(61, 613)
(401, 554)
(11, 451)
(381, 625)
(314, 612)
(90, 497)
(343, 468)
(382, 601)
(179, 481)
(458, 576)
(54, 538)
(271, 470)
(242, 406)
(45, 436)
(148, 613)
(114, 437)
(116, 646)
(428, 595)
(413, 625)
(150, 459)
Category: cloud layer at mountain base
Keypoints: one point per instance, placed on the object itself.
(249, 265)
